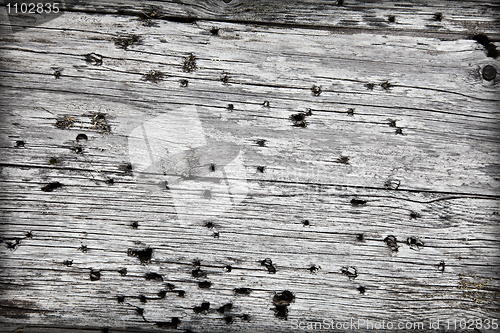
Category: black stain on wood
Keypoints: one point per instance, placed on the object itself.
(65, 123)
(415, 215)
(203, 308)
(225, 308)
(144, 255)
(127, 168)
(245, 317)
(261, 142)
(342, 160)
(314, 269)
(51, 186)
(204, 284)
(123, 271)
(358, 202)
(189, 63)
(95, 275)
(125, 41)
(242, 291)
(415, 243)
(198, 273)
(81, 137)
(386, 85)
(281, 301)
(13, 245)
(361, 290)
(299, 119)
(392, 243)
(268, 263)
(154, 276)
(489, 47)
(370, 86)
(350, 271)
(153, 76)
(437, 17)
(94, 59)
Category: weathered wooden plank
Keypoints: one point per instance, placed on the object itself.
(321, 201)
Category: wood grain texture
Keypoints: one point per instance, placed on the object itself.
(396, 135)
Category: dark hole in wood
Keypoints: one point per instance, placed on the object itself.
(225, 308)
(68, 263)
(399, 131)
(123, 271)
(53, 161)
(204, 284)
(261, 143)
(228, 268)
(162, 293)
(28, 234)
(228, 319)
(205, 306)
(490, 48)
(266, 104)
(51, 186)
(306, 223)
(360, 237)
(361, 289)
(83, 248)
(230, 107)
(214, 31)
(189, 63)
(392, 243)
(281, 302)
(242, 291)
(316, 90)
(350, 112)
(261, 169)
(154, 276)
(209, 224)
(314, 269)
(120, 299)
(198, 273)
(143, 255)
(184, 83)
(415, 243)
(370, 86)
(181, 293)
(437, 17)
(20, 144)
(94, 58)
(489, 73)
(358, 202)
(269, 265)
(441, 266)
(134, 225)
(391, 18)
(95, 275)
(143, 299)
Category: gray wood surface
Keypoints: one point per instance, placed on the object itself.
(297, 140)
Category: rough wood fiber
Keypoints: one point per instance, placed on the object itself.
(396, 136)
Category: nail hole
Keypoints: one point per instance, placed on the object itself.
(386, 85)
(342, 160)
(489, 73)
(228, 319)
(135, 225)
(212, 167)
(306, 223)
(228, 268)
(95, 275)
(415, 243)
(53, 161)
(360, 237)
(81, 137)
(214, 31)
(184, 83)
(392, 122)
(261, 169)
(350, 112)
(281, 302)
(391, 18)
(20, 144)
(392, 242)
(399, 131)
(120, 299)
(261, 142)
(314, 269)
(209, 224)
(441, 266)
(93, 58)
(230, 107)
(268, 263)
(361, 289)
(316, 90)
